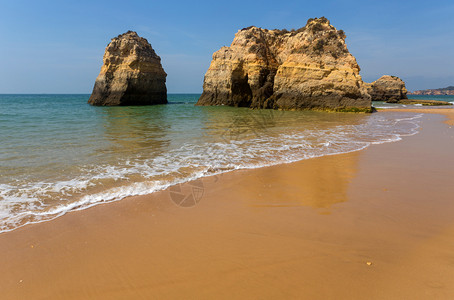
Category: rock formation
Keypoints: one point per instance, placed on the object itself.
(131, 74)
(387, 88)
(308, 68)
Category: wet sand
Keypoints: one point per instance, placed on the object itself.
(448, 112)
(373, 224)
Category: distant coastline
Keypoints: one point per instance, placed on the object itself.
(434, 92)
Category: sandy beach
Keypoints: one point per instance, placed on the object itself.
(372, 224)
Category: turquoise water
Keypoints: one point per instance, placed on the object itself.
(57, 153)
(447, 98)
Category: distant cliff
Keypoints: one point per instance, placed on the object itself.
(308, 68)
(131, 74)
(442, 91)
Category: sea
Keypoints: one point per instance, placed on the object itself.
(59, 154)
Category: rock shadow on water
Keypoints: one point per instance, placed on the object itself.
(235, 124)
(134, 129)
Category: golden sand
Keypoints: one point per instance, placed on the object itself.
(374, 224)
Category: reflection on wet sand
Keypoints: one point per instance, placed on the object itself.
(325, 185)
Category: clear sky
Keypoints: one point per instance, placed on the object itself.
(57, 46)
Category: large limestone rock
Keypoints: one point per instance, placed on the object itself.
(308, 68)
(387, 88)
(131, 74)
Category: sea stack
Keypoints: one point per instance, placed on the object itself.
(131, 74)
(308, 68)
(387, 88)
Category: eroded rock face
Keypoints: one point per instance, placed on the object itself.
(308, 68)
(387, 88)
(131, 74)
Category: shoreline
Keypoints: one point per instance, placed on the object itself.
(234, 236)
(136, 188)
(447, 112)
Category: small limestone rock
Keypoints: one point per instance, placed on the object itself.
(387, 88)
(132, 74)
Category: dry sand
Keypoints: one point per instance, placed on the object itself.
(374, 224)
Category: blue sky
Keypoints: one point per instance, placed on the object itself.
(57, 46)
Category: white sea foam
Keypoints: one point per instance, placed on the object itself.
(24, 203)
